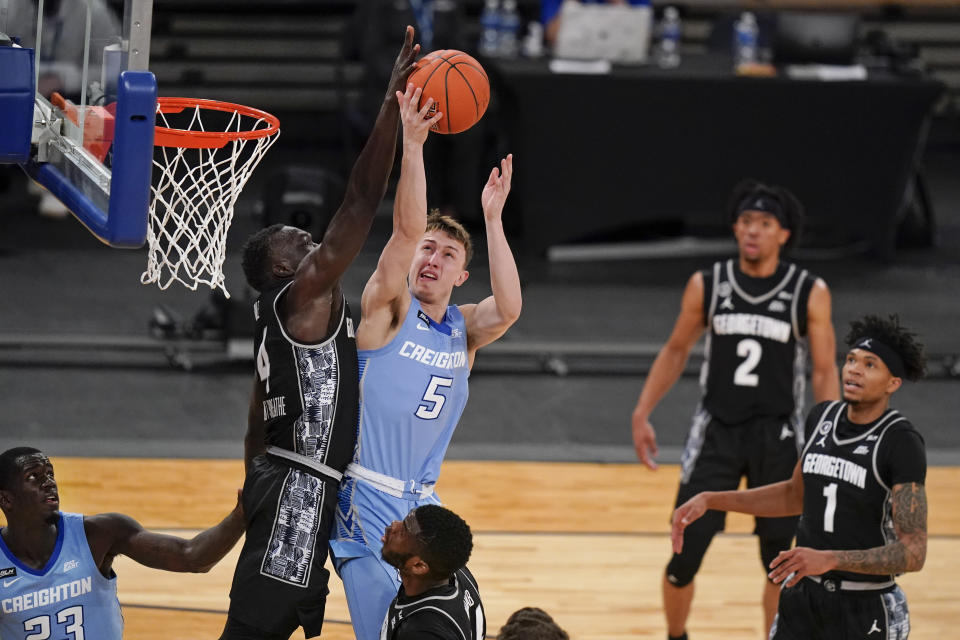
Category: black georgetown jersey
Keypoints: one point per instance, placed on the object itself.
(849, 471)
(450, 612)
(310, 392)
(756, 347)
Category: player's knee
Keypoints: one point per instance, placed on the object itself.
(683, 567)
(770, 548)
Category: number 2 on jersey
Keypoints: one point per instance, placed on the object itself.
(751, 350)
(432, 402)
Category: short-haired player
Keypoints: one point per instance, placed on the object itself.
(762, 316)
(416, 350)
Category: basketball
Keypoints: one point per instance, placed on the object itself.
(458, 85)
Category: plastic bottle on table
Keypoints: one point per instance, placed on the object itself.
(509, 30)
(745, 34)
(668, 51)
(490, 29)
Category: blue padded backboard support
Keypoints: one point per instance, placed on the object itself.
(16, 104)
(124, 224)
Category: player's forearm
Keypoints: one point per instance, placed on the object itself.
(504, 277)
(410, 205)
(826, 383)
(896, 557)
(208, 547)
(368, 179)
(770, 501)
(666, 370)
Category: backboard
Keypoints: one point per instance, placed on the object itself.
(94, 104)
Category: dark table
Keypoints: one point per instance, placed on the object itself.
(600, 154)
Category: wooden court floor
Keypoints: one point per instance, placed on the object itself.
(586, 542)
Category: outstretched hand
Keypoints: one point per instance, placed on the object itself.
(495, 192)
(684, 516)
(404, 64)
(416, 123)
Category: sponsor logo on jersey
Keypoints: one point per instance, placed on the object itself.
(727, 303)
(350, 332)
(751, 324)
(422, 327)
(467, 601)
(861, 450)
(777, 306)
(724, 289)
(832, 467)
(429, 357)
(46, 597)
(785, 295)
(874, 627)
(872, 436)
(456, 333)
(70, 565)
(826, 426)
(8, 572)
(785, 432)
(256, 310)
(274, 408)
(822, 442)
(7, 583)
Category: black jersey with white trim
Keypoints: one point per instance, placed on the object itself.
(756, 347)
(849, 471)
(310, 391)
(450, 612)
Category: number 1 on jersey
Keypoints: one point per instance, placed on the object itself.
(830, 493)
(434, 400)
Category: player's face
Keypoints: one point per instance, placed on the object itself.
(437, 267)
(866, 378)
(759, 235)
(35, 490)
(293, 245)
(400, 542)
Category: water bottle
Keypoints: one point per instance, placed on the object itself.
(745, 40)
(668, 53)
(509, 29)
(533, 42)
(490, 29)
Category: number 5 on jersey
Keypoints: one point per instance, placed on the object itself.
(432, 402)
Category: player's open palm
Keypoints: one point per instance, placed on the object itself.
(405, 62)
(495, 192)
(644, 441)
(416, 122)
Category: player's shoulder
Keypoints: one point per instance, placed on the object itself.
(901, 428)
(819, 414)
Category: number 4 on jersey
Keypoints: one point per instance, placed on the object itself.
(432, 402)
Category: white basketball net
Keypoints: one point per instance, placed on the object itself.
(192, 204)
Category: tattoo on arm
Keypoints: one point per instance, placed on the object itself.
(909, 550)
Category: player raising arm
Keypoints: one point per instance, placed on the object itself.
(416, 350)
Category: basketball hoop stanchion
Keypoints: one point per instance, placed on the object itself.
(204, 163)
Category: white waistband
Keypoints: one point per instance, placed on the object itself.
(853, 585)
(316, 465)
(390, 485)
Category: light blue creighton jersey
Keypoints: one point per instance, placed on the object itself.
(69, 599)
(412, 393)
